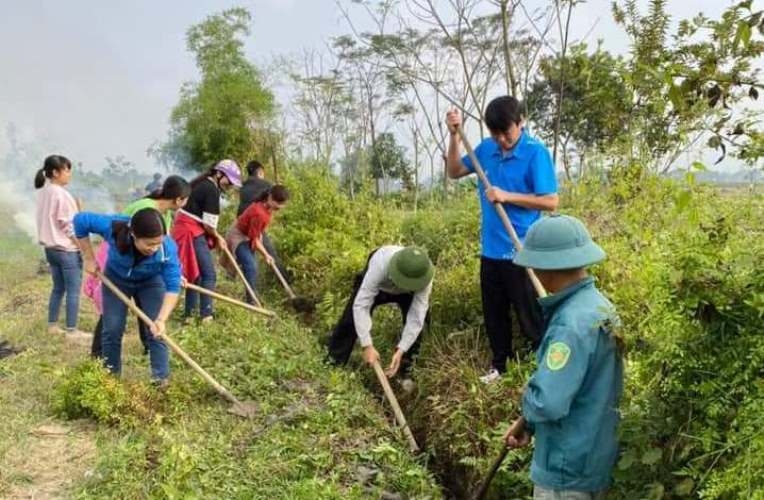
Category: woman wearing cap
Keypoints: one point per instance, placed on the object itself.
(195, 231)
(571, 400)
(393, 275)
(143, 263)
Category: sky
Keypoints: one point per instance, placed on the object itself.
(97, 78)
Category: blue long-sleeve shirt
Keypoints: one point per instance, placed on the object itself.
(572, 397)
(129, 266)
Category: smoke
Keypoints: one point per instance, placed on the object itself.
(19, 206)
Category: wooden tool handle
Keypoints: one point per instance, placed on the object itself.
(396, 407)
(228, 299)
(243, 278)
(283, 281)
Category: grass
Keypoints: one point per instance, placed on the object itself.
(319, 432)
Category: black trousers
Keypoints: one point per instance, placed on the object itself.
(504, 284)
(344, 335)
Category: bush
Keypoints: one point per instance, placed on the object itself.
(684, 269)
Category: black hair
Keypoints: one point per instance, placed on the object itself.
(253, 166)
(502, 112)
(145, 223)
(53, 163)
(173, 187)
(210, 172)
(278, 191)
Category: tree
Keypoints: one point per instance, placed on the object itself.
(219, 116)
(696, 88)
(595, 105)
(388, 161)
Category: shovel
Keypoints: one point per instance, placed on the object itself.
(413, 446)
(534, 280)
(230, 300)
(300, 304)
(240, 408)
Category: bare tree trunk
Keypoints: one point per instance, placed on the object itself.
(416, 169)
(509, 76)
(563, 60)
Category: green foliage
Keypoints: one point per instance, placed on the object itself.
(90, 391)
(687, 288)
(388, 159)
(596, 101)
(698, 85)
(220, 116)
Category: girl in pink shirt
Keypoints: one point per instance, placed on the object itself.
(55, 210)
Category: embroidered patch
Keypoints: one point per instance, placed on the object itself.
(557, 356)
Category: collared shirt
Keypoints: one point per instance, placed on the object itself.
(376, 279)
(571, 401)
(527, 168)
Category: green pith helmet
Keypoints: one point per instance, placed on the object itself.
(558, 242)
(411, 269)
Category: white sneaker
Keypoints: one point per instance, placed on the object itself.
(491, 376)
(408, 385)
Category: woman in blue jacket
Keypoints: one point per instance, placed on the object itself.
(571, 401)
(142, 263)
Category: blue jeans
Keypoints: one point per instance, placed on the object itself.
(207, 279)
(150, 294)
(66, 271)
(248, 263)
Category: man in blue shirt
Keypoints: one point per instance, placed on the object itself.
(571, 401)
(521, 172)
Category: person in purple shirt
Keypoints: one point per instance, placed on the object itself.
(522, 174)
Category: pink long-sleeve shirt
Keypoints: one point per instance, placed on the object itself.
(55, 210)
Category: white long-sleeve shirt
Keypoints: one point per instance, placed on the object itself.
(377, 279)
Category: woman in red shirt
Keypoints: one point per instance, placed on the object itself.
(246, 235)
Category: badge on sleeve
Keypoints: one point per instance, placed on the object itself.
(557, 356)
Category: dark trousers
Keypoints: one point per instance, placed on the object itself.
(344, 334)
(207, 279)
(504, 284)
(143, 332)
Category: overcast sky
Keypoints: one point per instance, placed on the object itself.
(96, 78)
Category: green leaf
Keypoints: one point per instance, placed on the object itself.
(675, 96)
(653, 455)
(656, 491)
(685, 487)
(627, 460)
